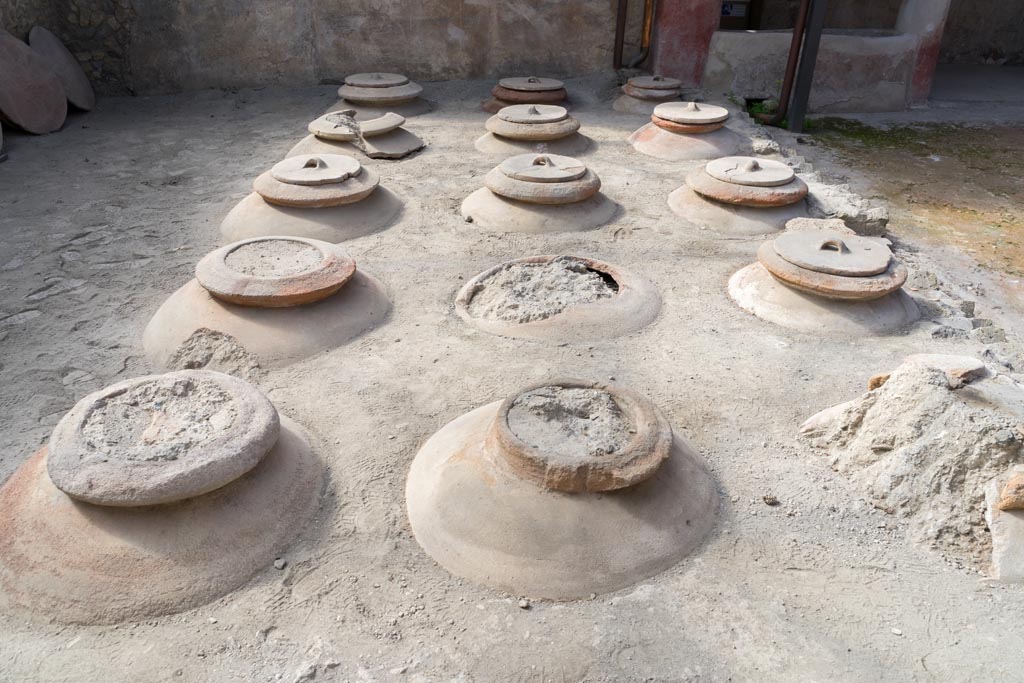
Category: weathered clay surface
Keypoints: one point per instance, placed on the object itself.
(522, 292)
(572, 145)
(731, 219)
(31, 95)
(532, 131)
(69, 562)
(512, 97)
(543, 179)
(655, 82)
(352, 190)
(533, 122)
(542, 168)
(832, 286)
(375, 79)
(750, 171)
(959, 370)
(745, 195)
(337, 126)
(533, 113)
(396, 144)
(211, 350)
(1006, 527)
(531, 84)
(570, 423)
(578, 436)
(1011, 495)
(532, 304)
(924, 449)
(835, 254)
(691, 113)
(380, 97)
(756, 291)
(368, 112)
(662, 144)
(806, 224)
(315, 170)
(76, 85)
(277, 336)
(659, 96)
(490, 211)
(254, 217)
(477, 519)
(631, 105)
(686, 128)
(161, 438)
(275, 272)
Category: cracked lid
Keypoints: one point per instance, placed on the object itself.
(533, 113)
(531, 84)
(750, 171)
(543, 168)
(833, 253)
(315, 169)
(691, 113)
(655, 82)
(376, 80)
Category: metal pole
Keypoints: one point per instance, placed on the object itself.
(808, 60)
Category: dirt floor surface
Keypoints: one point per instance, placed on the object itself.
(103, 220)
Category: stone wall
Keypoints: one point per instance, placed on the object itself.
(149, 46)
(98, 32)
(17, 17)
(856, 72)
(984, 31)
(781, 14)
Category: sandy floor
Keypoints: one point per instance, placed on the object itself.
(102, 221)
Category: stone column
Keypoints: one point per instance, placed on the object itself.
(682, 35)
(926, 19)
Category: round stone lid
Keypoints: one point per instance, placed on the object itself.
(376, 80)
(533, 113)
(833, 253)
(161, 438)
(275, 272)
(655, 82)
(312, 169)
(750, 171)
(531, 84)
(543, 168)
(691, 112)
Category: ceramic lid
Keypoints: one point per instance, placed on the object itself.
(655, 82)
(376, 80)
(750, 171)
(543, 168)
(833, 253)
(533, 113)
(275, 272)
(161, 438)
(692, 113)
(531, 84)
(316, 169)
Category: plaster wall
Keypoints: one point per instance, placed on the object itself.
(856, 71)
(781, 14)
(984, 31)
